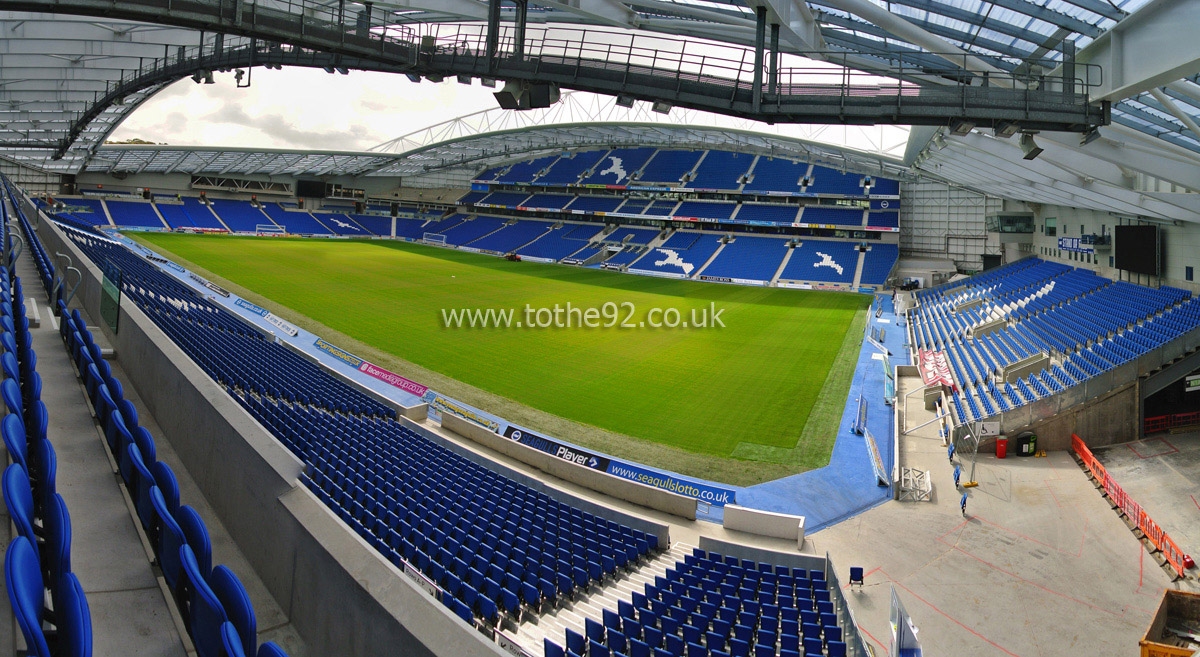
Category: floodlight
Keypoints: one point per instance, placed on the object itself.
(961, 127)
(1006, 129)
(1029, 147)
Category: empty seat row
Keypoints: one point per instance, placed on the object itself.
(212, 601)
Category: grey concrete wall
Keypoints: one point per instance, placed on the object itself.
(1112, 418)
(1108, 419)
(341, 595)
(764, 523)
(602, 482)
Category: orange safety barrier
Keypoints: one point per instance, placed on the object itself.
(1132, 510)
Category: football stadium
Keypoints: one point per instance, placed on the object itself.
(600, 328)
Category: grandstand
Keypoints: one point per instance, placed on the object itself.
(724, 335)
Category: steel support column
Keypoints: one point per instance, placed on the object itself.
(493, 33)
(1068, 66)
(519, 33)
(773, 73)
(760, 37)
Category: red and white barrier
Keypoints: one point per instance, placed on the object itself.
(1131, 508)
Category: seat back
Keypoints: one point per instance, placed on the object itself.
(74, 618)
(38, 421)
(238, 608)
(204, 612)
(19, 499)
(164, 478)
(57, 548)
(11, 393)
(105, 405)
(231, 641)
(271, 649)
(170, 539)
(13, 431)
(145, 443)
(47, 470)
(119, 441)
(8, 363)
(26, 593)
(143, 482)
(196, 535)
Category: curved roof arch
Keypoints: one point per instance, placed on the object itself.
(457, 160)
(579, 108)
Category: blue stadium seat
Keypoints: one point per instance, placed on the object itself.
(23, 577)
(170, 539)
(231, 641)
(196, 536)
(271, 649)
(233, 598)
(18, 497)
(203, 613)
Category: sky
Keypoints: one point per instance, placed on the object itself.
(309, 109)
(299, 108)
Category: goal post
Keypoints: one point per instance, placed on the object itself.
(269, 229)
(434, 238)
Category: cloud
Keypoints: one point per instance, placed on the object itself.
(282, 130)
(299, 108)
(303, 108)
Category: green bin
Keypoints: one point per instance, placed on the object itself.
(1026, 444)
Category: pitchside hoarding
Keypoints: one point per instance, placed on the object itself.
(714, 495)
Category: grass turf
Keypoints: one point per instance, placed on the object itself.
(744, 391)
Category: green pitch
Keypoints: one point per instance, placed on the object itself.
(744, 391)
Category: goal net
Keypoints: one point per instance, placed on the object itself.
(269, 229)
(435, 238)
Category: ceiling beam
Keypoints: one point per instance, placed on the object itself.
(607, 12)
(1174, 109)
(797, 25)
(897, 25)
(1151, 47)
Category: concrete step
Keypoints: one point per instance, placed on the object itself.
(592, 603)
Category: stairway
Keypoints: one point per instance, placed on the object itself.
(708, 262)
(214, 213)
(862, 257)
(779, 272)
(159, 215)
(107, 214)
(552, 625)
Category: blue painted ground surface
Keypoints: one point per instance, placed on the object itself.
(825, 496)
(847, 486)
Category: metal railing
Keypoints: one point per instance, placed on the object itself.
(800, 74)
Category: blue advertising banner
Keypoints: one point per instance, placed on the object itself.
(1076, 245)
(708, 493)
(714, 495)
(258, 310)
(339, 353)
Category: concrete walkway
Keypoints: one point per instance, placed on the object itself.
(1162, 474)
(130, 616)
(1040, 565)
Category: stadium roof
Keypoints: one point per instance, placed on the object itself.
(460, 158)
(66, 82)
